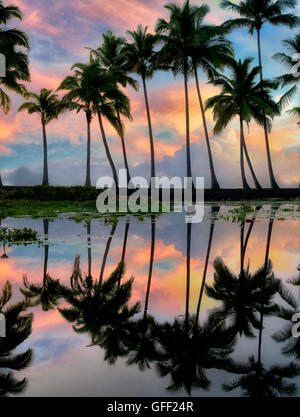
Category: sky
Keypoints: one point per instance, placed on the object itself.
(59, 34)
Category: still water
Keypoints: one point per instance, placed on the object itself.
(195, 318)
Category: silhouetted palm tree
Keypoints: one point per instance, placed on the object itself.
(139, 54)
(177, 36)
(241, 96)
(101, 310)
(18, 329)
(80, 93)
(12, 45)
(254, 14)
(259, 382)
(48, 106)
(188, 349)
(291, 78)
(210, 51)
(243, 296)
(112, 56)
(50, 291)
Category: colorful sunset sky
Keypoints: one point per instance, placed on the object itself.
(59, 32)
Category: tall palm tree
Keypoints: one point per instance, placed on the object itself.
(242, 96)
(291, 78)
(12, 44)
(254, 14)
(209, 51)
(177, 36)
(112, 56)
(50, 291)
(48, 106)
(80, 90)
(143, 346)
(18, 329)
(139, 54)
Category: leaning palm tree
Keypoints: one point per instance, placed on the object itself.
(210, 51)
(139, 54)
(242, 96)
(79, 90)
(12, 44)
(48, 106)
(254, 14)
(112, 56)
(292, 78)
(177, 36)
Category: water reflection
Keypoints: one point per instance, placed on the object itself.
(18, 329)
(208, 345)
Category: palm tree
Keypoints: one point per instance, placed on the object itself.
(177, 36)
(139, 54)
(112, 56)
(188, 349)
(210, 50)
(101, 310)
(257, 382)
(18, 329)
(291, 78)
(48, 106)
(50, 291)
(80, 94)
(12, 44)
(241, 96)
(143, 346)
(254, 14)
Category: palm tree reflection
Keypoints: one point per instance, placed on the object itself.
(18, 329)
(50, 291)
(255, 379)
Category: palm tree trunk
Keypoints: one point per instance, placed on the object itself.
(211, 232)
(124, 152)
(188, 271)
(270, 229)
(251, 227)
(150, 128)
(274, 184)
(88, 232)
(88, 152)
(107, 151)
(124, 246)
(187, 114)
(150, 266)
(112, 232)
(214, 182)
(255, 180)
(244, 180)
(45, 170)
(46, 248)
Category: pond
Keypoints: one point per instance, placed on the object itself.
(190, 314)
